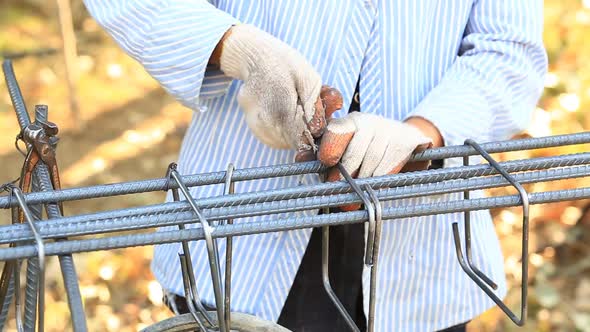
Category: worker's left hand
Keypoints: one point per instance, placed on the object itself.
(370, 145)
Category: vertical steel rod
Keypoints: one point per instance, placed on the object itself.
(39, 269)
(375, 254)
(41, 171)
(228, 189)
(190, 300)
(33, 282)
(191, 292)
(467, 221)
(17, 300)
(7, 301)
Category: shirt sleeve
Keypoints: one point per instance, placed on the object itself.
(491, 90)
(172, 39)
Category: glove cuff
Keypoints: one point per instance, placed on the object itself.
(241, 50)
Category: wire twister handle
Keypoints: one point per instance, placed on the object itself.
(470, 269)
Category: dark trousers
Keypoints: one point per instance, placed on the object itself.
(308, 307)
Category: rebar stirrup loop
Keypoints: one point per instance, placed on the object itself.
(370, 209)
(212, 252)
(193, 300)
(377, 240)
(228, 190)
(525, 219)
(325, 248)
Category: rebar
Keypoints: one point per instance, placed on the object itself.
(160, 184)
(31, 241)
(35, 271)
(15, 94)
(66, 261)
(32, 282)
(286, 224)
(173, 213)
(6, 304)
(44, 182)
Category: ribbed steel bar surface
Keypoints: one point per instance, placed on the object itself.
(285, 170)
(66, 261)
(174, 212)
(322, 189)
(285, 224)
(42, 174)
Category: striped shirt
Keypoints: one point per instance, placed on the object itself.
(472, 67)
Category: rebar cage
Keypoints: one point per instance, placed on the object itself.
(32, 239)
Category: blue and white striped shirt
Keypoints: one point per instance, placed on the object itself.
(472, 67)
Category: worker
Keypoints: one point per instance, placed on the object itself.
(412, 75)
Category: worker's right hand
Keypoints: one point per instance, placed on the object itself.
(280, 92)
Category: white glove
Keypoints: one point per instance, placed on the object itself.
(369, 144)
(281, 89)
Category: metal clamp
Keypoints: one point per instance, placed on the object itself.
(211, 249)
(476, 275)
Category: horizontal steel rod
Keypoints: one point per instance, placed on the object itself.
(132, 187)
(285, 224)
(393, 180)
(76, 226)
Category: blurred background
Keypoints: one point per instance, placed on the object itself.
(116, 124)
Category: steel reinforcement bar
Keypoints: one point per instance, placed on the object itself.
(174, 213)
(42, 173)
(285, 224)
(132, 187)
